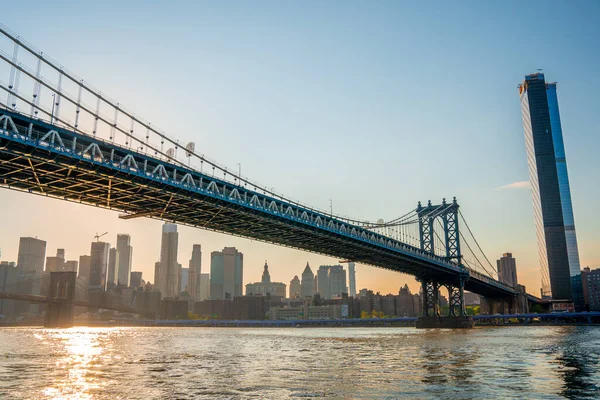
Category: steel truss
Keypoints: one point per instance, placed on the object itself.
(41, 158)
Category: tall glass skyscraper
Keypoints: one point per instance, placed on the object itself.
(552, 208)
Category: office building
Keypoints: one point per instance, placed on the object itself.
(265, 286)
(295, 288)
(307, 285)
(8, 284)
(124, 259)
(323, 282)
(195, 272)
(84, 268)
(111, 274)
(56, 264)
(352, 278)
(70, 266)
(30, 265)
(184, 280)
(135, 279)
(337, 281)
(99, 254)
(204, 287)
(507, 270)
(226, 274)
(168, 269)
(552, 209)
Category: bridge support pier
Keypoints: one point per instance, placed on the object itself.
(457, 317)
(61, 295)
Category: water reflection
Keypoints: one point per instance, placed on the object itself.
(148, 363)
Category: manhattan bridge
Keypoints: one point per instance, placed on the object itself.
(62, 138)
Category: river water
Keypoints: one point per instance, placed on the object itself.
(272, 363)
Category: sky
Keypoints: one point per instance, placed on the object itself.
(374, 105)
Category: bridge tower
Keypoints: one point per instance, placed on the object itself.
(457, 316)
(61, 295)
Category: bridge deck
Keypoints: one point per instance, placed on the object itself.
(43, 159)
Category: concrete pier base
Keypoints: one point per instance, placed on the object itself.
(462, 322)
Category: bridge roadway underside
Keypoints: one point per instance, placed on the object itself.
(42, 170)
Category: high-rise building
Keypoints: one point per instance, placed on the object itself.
(352, 278)
(184, 280)
(295, 288)
(169, 270)
(552, 208)
(30, 265)
(226, 274)
(204, 287)
(98, 265)
(307, 285)
(84, 268)
(195, 268)
(70, 266)
(323, 282)
(135, 279)
(56, 264)
(8, 283)
(337, 281)
(507, 269)
(124, 258)
(265, 286)
(111, 274)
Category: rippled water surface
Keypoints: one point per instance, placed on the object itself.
(110, 363)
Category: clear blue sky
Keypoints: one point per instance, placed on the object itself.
(375, 105)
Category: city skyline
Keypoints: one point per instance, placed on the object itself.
(510, 228)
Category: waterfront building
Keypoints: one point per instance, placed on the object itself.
(30, 266)
(124, 259)
(204, 287)
(84, 268)
(226, 274)
(295, 288)
(265, 286)
(99, 254)
(389, 305)
(135, 279)
(553, 211)
(195, 273)
(307, 285)
(352, 278)
(591, 288)
(507, 269)
(112, 268)
(168, 271)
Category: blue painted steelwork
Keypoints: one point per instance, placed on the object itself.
(44, 159)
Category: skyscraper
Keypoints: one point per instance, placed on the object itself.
(123, 261)
(135, 279)
(112, 268)
(552, 209)
(337, 281)
(30, 265)
(295, 288)
(98, 265)
(507, 269)
(195, 272)
(226, 274)
(55, 264)
(307, 285)
(323, 282)
(265, 286)
(352, 278)
(204, 286)
(84, 268)
(184, 280)
(169, 270)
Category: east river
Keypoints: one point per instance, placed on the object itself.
(271, 363)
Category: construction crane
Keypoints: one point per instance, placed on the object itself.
(97, 237)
